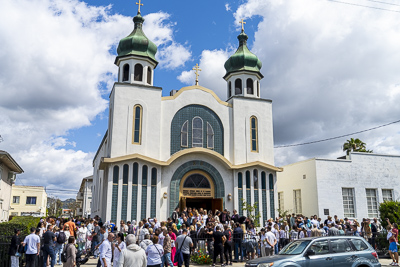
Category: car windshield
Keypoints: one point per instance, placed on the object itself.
(295, 248)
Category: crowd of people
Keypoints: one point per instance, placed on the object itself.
(230, 237)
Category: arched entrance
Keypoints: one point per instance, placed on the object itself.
(183, 170)
(197, 190)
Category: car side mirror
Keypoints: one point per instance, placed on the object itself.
(310, 252)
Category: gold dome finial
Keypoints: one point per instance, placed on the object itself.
(197, 69)
(139, 4)
(242, 22)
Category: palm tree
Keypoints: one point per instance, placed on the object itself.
(355, 145)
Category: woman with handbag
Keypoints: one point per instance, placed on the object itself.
(154, 253)
(71, 253)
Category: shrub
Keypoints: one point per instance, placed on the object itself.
(24, 223)
(390, 210)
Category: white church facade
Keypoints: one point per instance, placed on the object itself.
(190, 149)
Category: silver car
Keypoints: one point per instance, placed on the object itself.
(328, 251)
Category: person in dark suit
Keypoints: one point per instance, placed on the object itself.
(15, 242)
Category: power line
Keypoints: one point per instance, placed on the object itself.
(352, 4)
(64, 190)
(385, 3)
(337, 137)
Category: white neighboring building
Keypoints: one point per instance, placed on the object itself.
(351, 186)
(189, 149)
(84, 197)
(8, 170)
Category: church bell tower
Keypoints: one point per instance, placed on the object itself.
(136, 56)
(243, 70)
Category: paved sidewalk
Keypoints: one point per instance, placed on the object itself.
(93, 262)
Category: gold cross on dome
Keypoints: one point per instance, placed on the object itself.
(139, 4)
(242, 22)
(197, 69)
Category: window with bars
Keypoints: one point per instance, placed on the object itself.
(280, 201)
(348, 202)
(197, 132)
(137, 124)
(297, 201)
(372, 203)
(254, 134)
(387, 194)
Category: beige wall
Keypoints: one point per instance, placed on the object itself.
(38, 209)
(292, 179)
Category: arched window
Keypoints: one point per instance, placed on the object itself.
(125, 74)
(137, 124)
(135, 173)
(153, 207)
(148, 75)
(238, 87)
(240, 192)
(115, 174)
(258, 88)
(248, 180)
(125, 174)
(153, 177)
(197, 132)
(210, 136)
(144, 191)
(229, 89)
(138, 72)
(184, 134)
(255, 176)
(254, 134)
(249, 85)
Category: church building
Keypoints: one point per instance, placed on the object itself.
(189, 149)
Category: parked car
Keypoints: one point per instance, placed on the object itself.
(327, 251)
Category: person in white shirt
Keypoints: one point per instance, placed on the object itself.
(270, 239)
(119, 246)
(105, 251)
(32, 242)
(154, 253)
(263, 242)
(156, 224)
(146, 242)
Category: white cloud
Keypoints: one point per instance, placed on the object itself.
(174, 56)
(331, 69)
(170, 54)
(55, 66)
(212, 70)
(227, 7)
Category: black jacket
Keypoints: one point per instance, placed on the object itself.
(15, 242)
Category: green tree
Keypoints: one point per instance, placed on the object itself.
(355, 145)
(54, 206)
(252, 212)
(389, 210)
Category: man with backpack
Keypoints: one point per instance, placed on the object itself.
(61, 239)
(48, 248)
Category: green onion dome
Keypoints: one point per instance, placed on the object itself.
(243, 59)
(137, 43)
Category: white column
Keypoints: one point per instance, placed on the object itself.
(148, 192)
(107, 179)
(119, 197)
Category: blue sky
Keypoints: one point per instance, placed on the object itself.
(330, 69)
(199, 25)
